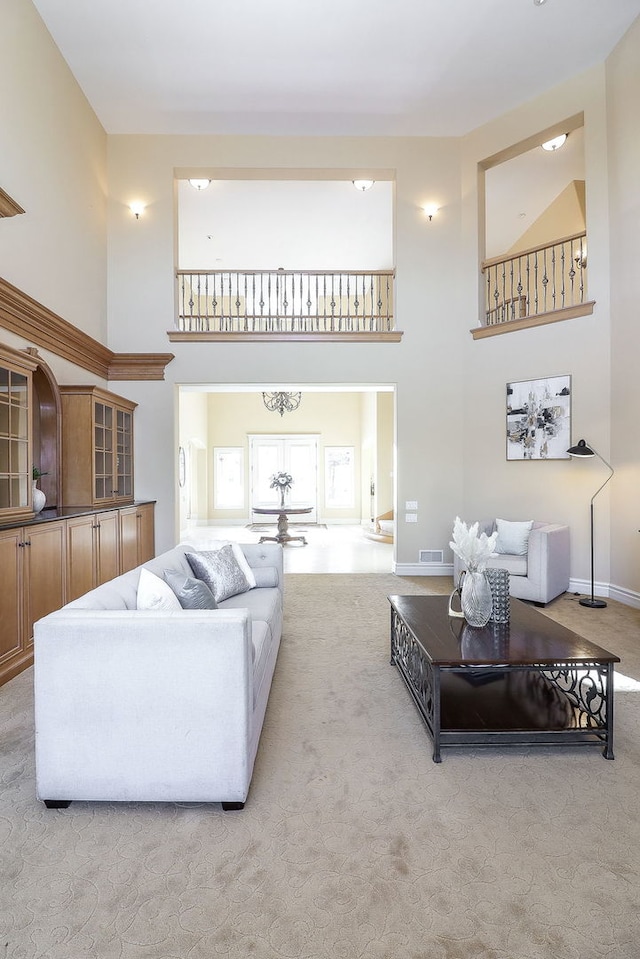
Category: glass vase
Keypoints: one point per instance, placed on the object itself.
(475, 598)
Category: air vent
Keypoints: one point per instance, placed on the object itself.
(431, 557)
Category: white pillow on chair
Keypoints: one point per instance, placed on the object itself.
(513, 538)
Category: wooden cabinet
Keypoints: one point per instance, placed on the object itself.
(33, 570)
(93, 551)
(47, 564)
(16, 415)
(137, 535)
(97, 447)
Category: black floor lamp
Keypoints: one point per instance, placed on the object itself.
(583, 450)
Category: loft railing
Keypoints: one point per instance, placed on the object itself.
(536, 281)
(285, 301)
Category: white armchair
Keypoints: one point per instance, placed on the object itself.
(539, 575)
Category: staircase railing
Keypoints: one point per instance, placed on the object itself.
(285, 301)
(536, 281)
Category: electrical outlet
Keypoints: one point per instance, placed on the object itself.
(411, 504)
(411, 517)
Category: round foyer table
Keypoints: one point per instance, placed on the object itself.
(283, 512)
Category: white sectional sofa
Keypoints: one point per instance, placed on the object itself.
(156, 705)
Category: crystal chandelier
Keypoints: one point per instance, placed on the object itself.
(282, 402)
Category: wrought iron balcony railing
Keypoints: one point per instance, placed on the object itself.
(537, 281)
(237, 302)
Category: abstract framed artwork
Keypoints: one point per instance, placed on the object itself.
(539, 419)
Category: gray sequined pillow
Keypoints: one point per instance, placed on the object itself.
(219, 569)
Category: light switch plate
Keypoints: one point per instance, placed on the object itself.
(411, 517)
(411, 504)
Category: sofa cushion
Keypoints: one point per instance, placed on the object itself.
(220, 570)
(515, 565)
(513, 538)
(154, 593)
(213, 545)
(191, 593)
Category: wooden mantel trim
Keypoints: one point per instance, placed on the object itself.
(527, 322)
(8, 206)
(23, 315)
(138, 366)
(205, 336)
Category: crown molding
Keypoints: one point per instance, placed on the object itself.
(8, 207)
(138, 366)
(23, 315)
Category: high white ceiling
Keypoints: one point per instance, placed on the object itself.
(324, 67)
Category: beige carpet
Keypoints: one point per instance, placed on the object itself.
(353, 843)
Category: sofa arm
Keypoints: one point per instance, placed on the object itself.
(548, 562)
(264, 556)
(144, 705)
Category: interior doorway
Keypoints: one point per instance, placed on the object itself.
(338, 445)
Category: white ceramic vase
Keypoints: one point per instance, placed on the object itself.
(37, 498)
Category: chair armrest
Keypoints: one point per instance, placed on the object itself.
(548, 560)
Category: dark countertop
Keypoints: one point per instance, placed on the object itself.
(67, 512)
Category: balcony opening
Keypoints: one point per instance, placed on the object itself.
(278, 255)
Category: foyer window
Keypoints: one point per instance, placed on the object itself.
(339, 477)
(228, 478)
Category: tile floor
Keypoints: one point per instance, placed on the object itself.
(336, 549)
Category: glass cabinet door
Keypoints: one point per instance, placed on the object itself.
(124, 454)
(14, 440)
(103, 451)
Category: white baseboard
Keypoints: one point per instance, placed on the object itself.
(627, 596)
(583, 586)
(423, 569)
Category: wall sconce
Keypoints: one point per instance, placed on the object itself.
(199, 184)
(137, 208)
(555, 144)
(430, 210)
(363, 185)
(580, 258)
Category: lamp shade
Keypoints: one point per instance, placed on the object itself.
(580, 450)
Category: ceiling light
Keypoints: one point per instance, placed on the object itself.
(538, 3)
(199, 184)
(556, 143)
(282, 402)
(363, 184)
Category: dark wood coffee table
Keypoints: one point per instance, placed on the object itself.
(528, 682)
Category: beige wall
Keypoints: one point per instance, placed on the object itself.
(557, 491)
(53, 163)
(427, 263)
(564, 217)
(623, 95)
(450, 404)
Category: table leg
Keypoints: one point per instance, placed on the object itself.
(435, 672)
(608, 749)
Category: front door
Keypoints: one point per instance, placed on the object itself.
(296, 455)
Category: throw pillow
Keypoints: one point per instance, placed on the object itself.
(216, 544)
(153, 593)
(513, 538)
(191, 593)
(219, 569)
